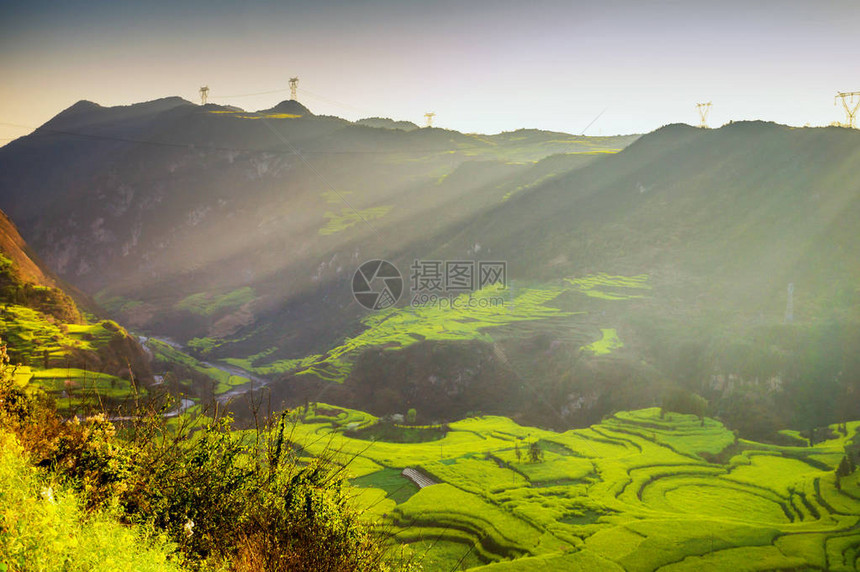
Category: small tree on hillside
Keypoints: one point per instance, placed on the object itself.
(411, 415)
(680, 400)
(517, 452)
(535, 452)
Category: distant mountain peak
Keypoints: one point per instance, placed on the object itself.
(84, 111)
(290, 106)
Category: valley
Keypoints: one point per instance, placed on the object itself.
(665, 378)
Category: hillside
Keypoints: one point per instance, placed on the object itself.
(54, 345)
(204, 222)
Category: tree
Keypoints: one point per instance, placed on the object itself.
(517, 452)
(535, 452)
(411, 415)
(682, 401)
(844, 468)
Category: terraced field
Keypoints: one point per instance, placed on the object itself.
(476, 316)
(634, 493)
(30, 334)
(38, 344)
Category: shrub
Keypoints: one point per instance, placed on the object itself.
(228, 498)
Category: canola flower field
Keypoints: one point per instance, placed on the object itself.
(638, 492)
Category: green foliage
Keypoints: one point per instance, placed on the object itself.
(411, 415)
(46, 528)
(681, 401)
(32, 333)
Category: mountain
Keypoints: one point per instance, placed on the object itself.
(197, 221)
(721, 261)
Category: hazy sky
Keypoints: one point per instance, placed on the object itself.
(480, 65)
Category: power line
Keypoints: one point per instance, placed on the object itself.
(593, 121)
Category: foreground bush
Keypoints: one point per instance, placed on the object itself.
(223, 499)
(45, 527)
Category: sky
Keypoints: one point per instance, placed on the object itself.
(482, 66)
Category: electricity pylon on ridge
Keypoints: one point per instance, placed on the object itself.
(204, 94)
(704, 110)
(850, 108)
(429, 117)
(294, 88)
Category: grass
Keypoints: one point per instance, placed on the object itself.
(631, 493)
(116, 304)
(608, 287)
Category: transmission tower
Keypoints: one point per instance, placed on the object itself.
(850, 108)
(204, 95)
(294, 88)
(704, 110)
(429, 117)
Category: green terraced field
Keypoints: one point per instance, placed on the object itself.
(608, 342)
(30, 334)
(468, 317)
(207, 304)
(36, 340)
(350, 217)
(633, 493)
